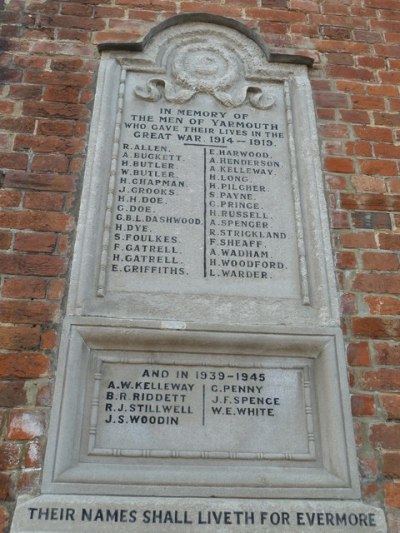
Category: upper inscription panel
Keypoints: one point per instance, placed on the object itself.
(199, 195)
(203, 183)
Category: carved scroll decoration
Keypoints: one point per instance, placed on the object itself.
(205, 68)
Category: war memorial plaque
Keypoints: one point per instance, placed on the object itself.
(202, 381)
(200, 196)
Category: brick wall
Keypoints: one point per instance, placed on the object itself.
(49, 74)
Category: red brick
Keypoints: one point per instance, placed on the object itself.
(388, 354)
(74, 8)
(67, 64)
(387, 119)
(379, 167)
(387, 151)
(362, 405)
(56, 289)
(339, 165)
(7, 486)
(9, 455)
(36, 221)
(391, 464)
(24, 365)
(389, 241)
(331, 99)
(25, 425)
(33, 265)
(385, 436)
(12, 393)
(380, 261)
(29, 482)
(392, 494)
(355, 116)
(28, 312)
(23, 125)
(358, 354)
(24, 288)
(376, 328)
(348, 305)
(383, 4)
(55, 110)
(360, 239)
(336, 131)
(340, 220)
(35, 242)
(350, 86)
(60, 93)
(47, 201)
(352, 73)
(44, 395)
(391, 405)
(33, 454)
(9, 198)
(14, 161)
(383, 305)
(346, 260)
(49, 340)
(50, 163)
(23, 180)
(371, 220)
(370, 202)
(56, 127)
(376, 134)
(368, 184)
(19, 337)
(49, 144)
(4, 519)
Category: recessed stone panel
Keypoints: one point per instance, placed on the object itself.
(201, 413)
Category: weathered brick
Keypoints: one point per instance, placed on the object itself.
(46, 201)
(24, 365)
(33, 265)
(36, 221)
(28, 312)
(391, 405)
(392, 494)
(358, 354)
(389, 241)
(9, 455)
(385, 436)
(391, 464)
(19, 337)
(362, 405)
(24, 288)
(12, 393)
(25, 424)
(378, 283)
(35, 242)
(376, 328)
(380, 261)
(388, 354)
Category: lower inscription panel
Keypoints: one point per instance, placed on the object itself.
(161, 411)
(178, 408)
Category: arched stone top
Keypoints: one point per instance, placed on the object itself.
(211, 20)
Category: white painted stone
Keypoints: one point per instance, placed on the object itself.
(63, 514)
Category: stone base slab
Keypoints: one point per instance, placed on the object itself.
(103, 514)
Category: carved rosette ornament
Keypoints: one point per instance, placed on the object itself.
(208, 69)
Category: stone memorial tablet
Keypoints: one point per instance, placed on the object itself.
(201, 355)
(202, 187)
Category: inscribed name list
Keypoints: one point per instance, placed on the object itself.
(203, 410)
(204, 198)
